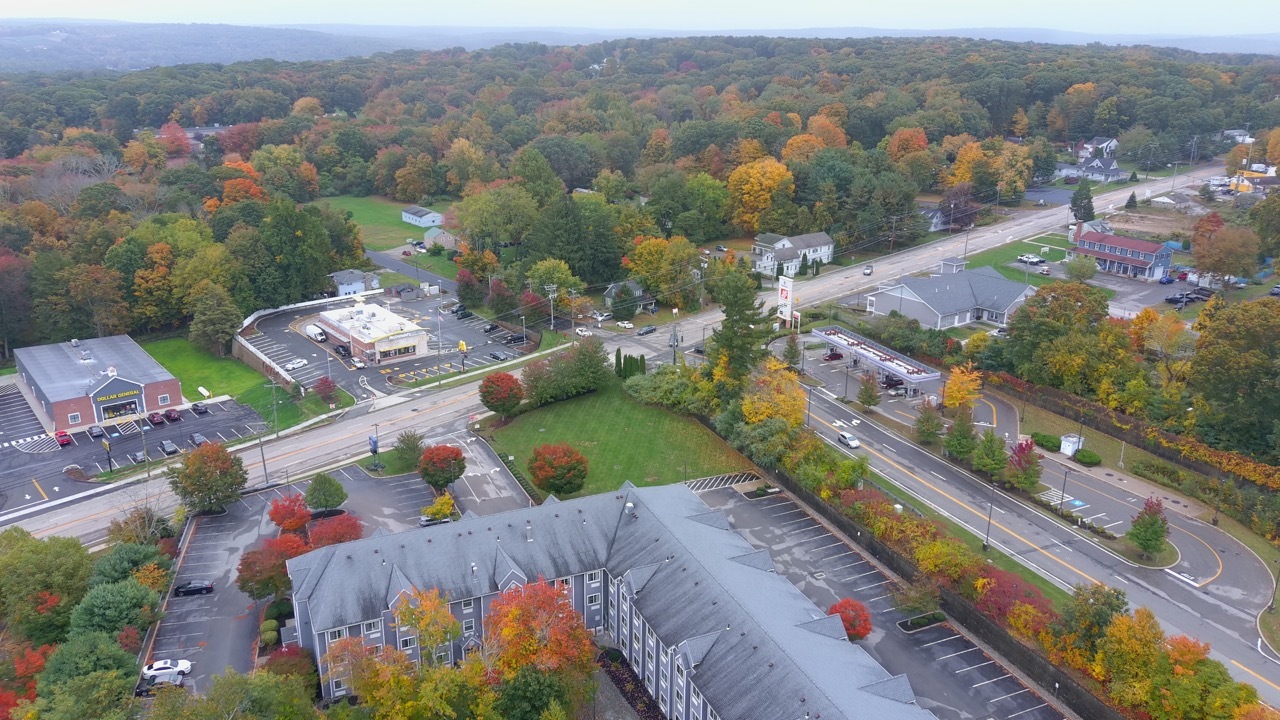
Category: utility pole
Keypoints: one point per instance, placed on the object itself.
(263, 454)
(991, 501)
(551, 295)
(573, 310)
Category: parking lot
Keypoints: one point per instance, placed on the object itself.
(281, 338)
(39, 470)
(951, 676)
(18, 422)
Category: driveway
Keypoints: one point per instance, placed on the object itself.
(952, 677)
(1050, 195)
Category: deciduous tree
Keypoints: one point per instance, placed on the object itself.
(854, 616)
(929, 425)
(112, 607)
(1149, 527)
(990, 456)
(558, 468)
(1024, 467)
(868, 393)
(209, 478)
(122, 560)
(325, 493)
(1080, 268)
(502, 393)
(261, 573)
(80, 655)
(753, 187)
(334, 530)
(960, 441)
(440, 465)
(214, 317)
(289, 512)
(40, 582)
(536, 626)
(1229, 252)
(963, 388)
(426, 612)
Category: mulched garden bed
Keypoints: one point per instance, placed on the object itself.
(631, 687)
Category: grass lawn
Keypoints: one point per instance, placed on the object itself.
(9, 370)
(379, 219)
(622, 440)
(1167, 557)
(1001, 258)
(195, 367)
(437, 264)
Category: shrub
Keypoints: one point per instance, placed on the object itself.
(269, 626)
(293, 661)
(277, 609)
(1052, 443)
(269, 638)
(1087, 457)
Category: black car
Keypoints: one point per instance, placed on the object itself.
(193, 587)
(197, 439)
(647, 330)
(342, 350)
(457, 308)
(168, 448)
(1181, 297)
(497, 356)
(892, 381)
(699, 350)
(516, 340)
(199, 408)
(95, 431)
(491, 327)
(137, 457)
(465, 314)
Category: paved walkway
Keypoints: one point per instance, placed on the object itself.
(610, 705)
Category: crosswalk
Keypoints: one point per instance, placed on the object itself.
(1053, 496)
(716, 482)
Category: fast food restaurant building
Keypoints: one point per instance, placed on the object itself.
(89, 382)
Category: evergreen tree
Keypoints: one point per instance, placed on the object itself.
(740, 338)
(625, 303)
(960, 442)
(990, 456)
(1082, 202)
(534, 174)
(1150, 528)
(804, 266)
(1132, 202)
(617, 363)
(1133, 176)
(791, 353)
(929, 424)
(214, 317)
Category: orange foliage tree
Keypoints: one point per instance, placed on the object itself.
(854, 616)
(536, 625)
(334, 530)
(290, 512)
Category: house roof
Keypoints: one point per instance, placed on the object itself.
(952, 293)
(1136, 262)
(637, 291)
(1119, 241)
(722, 615)
(769, 239)
(417, 211)
(436, 232)
(64, 372)
(1099, 140)
(809, 241)
(347, 277)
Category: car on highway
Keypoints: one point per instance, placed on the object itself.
(833, 355)
(358, 363)
(63, 437)
(491, 327)
(172, 415)
(625, 324)
(847, 440)
(647, 330)
(95, 432)
(160, 667)
(892, 381)
(168, 448)
(199, 408)
(342, 350)
(295, 364)
(868, 270)
(582, 332)
(197, 439)
(149, 686)
(193, 587)
(155, 419)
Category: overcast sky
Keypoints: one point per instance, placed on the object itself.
(1104, 16)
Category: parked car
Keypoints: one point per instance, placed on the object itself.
(197, 439)
(156, 419)
(868, 270)
(95, 432)
(699, 350)
(172, 415)
(582, 332)
(137, 457)
(625, 324)
(1176, 298)
(199, 408)
(722, 248)
(1030, 259)
(193, 587)
(706, 251)
(892, 381)
(1044, 270)
(406, 253)
(491, 327)
(457, 308)
(149, 686)
(896, 392)
(160, 667)
(601, 316)
(1182, 275)
(463, 315)
(168, 448)
(497, 356)
(295, 364)
(647, 330)
(848, 440)
(516, 340)
(63, 437)
(999, 332)
(833, 355)
(1167, 280)
(1274, 291)
(424, 521)
(342, 350)
(358, 363)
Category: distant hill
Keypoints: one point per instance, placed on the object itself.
(60, 45)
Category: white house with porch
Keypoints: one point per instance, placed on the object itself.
(773, 251)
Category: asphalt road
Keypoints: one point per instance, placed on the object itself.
(391, 262)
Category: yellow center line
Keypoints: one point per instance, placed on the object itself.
(33, 482)
(977, 513)
(1242, 667)
(994, 417)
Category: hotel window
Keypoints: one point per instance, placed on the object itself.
(442, 657)
(407, 643)
(635, 637)
(593, 600)
(373, 627)
(336, 635)
(468, 604)
(680, 671)
(565, 584)
(711, 714)
(649, 635)
(695, 697)
(468, 626)
(73, 418)
(338, 685)
(665, 655)
(163, 400)
(593, 576)
(679, 699)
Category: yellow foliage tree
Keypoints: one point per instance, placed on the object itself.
(963, 386)
(826, 130)
(966, 158)
(752, 187)
(774, 392)
(748, 150)
(801, 148)
(153, 576)
(308, 106)
(427, 612)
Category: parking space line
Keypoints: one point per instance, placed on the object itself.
(1002, 697)
(818, 537)
(787, 512)
(800, 530)
(880, 597)
(855, 577)
(944, 657)
(973, 667)
(842, 567)
(935, 642)
(868, 587)
(1023, 712)
(824, 547)
(988, 682)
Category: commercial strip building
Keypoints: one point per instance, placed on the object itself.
(952, 298)
(708, 625)
(373, 333)
(88, 382)
(1120, 255)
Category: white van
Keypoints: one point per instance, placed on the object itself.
(315, 333)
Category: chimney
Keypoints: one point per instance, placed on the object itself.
(473, 569)
(528, 531)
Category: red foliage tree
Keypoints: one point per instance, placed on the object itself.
(291, 546)
(129, 639)
(261, 573)
(334, 530)
(1004, 589)
(28, 662)
(536, 626)
(501, 392)
(441, 465)
(534, 307)
(290, 512)
(854, 616)
(558, 468)
(326, 388)
(237, 189)
(241, 139)
(174, 140)
(292, 661)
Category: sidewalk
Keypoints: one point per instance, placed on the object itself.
(1173, 500)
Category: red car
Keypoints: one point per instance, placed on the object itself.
(1182, 275)
(63, 437)
(172, 415)
(156, 419)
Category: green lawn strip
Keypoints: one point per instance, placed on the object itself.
(1055, 594)
(195, 367)
(379, 219)
(1167, 557)
(438, 264)
(392, 464)
(390, 278)
(622, 440)
(9, 370)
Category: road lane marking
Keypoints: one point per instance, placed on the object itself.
(935, 642)
(37, 484)
(1242, 667)
(972, 667)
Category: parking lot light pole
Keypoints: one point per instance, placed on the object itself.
(523, 330)
(1063, 495)
(991, 501)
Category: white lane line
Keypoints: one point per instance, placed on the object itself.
(971, 667)
(944, 657)
(880, 597)
(1114, 523)
(800, 530)
(886, 447)
(788, 512)
(1027, 710)
(824, 547)
(842, 567)
(1064, 547)
(855, 577)
(793, 522)
(886, 582)
(936, 642)
(987, 682)
(937, 475)
(1002, 697)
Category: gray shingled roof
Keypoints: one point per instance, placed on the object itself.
(808, 241)
(347, 277)
(64, 372)
(952, 293)
(699, 584)
(417, 211)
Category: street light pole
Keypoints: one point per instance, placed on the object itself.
(523, 330)
(991, 501)
(263, 454)
(808, 407)
(1063, 495)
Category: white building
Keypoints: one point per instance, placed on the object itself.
(374, 333)
(772, 251)
(422, 217)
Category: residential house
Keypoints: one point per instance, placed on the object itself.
(352, 282)
(420, 216)
(788, 253)
(954, 297)
(1119, 255)
(1105, 170)
(937, 219)
(441, 236)
(1237, 136)
(644, 301)
(698, 612)
(1097, 147)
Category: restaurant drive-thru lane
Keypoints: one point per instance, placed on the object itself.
(1222, 611)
